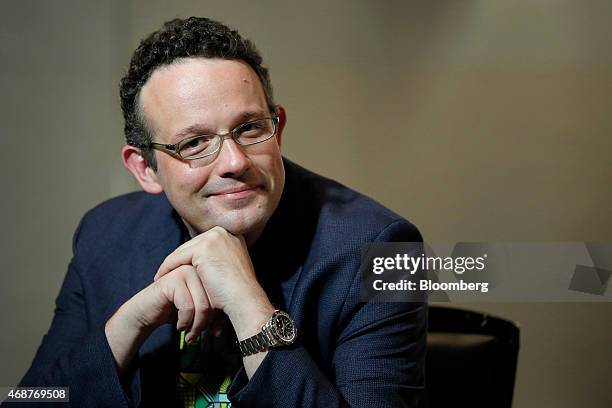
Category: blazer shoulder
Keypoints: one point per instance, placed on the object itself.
(125, 208)
(129, 217)
(344, 211)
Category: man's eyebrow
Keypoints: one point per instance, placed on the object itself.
(195, 129)
(202, 129)
(251, 115)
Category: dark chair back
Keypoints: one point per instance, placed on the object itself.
(471, 359)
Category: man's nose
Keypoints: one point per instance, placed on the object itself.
(232, 161)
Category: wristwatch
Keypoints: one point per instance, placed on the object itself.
(278, 331)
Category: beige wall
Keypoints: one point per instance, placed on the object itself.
(477, 120)
(59, 134)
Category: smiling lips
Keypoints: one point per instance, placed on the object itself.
(237, 192)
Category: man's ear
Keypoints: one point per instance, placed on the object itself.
(135, 163)
(282, 121)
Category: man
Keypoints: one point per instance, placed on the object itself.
(242, 252)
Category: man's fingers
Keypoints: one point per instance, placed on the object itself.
(183, 255)
(181, 297)
(178, 258)
(202, 308)
(185, 290)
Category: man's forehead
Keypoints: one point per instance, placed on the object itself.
(212, 70)
(200, 87)
(198, 77)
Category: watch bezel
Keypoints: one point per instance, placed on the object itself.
(278, 314)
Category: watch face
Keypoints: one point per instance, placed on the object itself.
(284, 327)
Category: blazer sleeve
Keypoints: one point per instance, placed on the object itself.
(75, 353)
(378, 359)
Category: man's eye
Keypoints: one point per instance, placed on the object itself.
(193, 143)
(194, 146)
(252, 129)
(251, 126)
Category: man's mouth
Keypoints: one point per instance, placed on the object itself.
(236, 192)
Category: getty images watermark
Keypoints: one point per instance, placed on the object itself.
(486, 271)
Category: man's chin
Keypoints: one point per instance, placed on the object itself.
(243, 225)
(241, 228)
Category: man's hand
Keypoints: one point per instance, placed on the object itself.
(224, 267)
(210, 274)
(177, 297)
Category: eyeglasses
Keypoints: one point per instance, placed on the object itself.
(200, 146)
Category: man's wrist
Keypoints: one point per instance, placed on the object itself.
(249, 319)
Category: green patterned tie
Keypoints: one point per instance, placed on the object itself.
(206, 368)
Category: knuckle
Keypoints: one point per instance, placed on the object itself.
(184, 270)
(188, 309)
(201, 308)
(217, 232)
(163, 287)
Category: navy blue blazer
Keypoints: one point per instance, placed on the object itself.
(349, 353)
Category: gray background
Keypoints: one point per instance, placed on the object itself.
(477, 120)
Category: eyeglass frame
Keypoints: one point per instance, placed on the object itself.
(174, 147)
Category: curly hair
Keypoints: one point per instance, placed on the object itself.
(178, 39)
